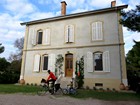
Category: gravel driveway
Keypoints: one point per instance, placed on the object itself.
(20, 99)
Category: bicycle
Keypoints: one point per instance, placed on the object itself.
(51, 88)
(70, 89)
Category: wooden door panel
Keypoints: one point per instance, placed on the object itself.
(69, 65)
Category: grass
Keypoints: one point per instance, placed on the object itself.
(111, 96)
(10, 88)
(82, 94)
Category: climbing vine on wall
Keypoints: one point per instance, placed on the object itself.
(80, 72)
(58, 64)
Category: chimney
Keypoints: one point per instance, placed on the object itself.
(63, 7)
(113, 3)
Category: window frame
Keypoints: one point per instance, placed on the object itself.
(45, 55)
(38, 37)
(94, 62)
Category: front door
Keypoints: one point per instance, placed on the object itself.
(68, 65)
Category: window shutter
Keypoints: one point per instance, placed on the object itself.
(51, 62)
(32, 35)
(71, 34)
(46, 36)
(66, 33)
(36, 63)
(89, 61)
(97, 32)
(93, 31)
(106, 61)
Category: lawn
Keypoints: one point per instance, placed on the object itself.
(112, 96)
(82, 94)
(10, 88)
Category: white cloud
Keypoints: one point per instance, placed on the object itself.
(128, 39)
(79, 10)
(19, 6)
(41, 15)
(133, 3)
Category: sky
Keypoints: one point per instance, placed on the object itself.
(14, 12)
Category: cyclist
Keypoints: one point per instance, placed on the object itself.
(51, 77)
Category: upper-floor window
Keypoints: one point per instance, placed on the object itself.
(69, 33)
(97, 31)
(39, 36)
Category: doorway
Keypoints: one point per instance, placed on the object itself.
(69, 65)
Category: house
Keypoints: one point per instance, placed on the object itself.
(95, 35)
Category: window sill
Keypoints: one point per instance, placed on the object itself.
(100, 72)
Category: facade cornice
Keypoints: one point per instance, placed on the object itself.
(73, 47)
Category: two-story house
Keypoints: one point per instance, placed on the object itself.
(96, 35)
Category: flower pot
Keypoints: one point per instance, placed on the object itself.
(22, 81)
(122, 87)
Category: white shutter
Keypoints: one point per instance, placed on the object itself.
(71, 34)
(66, 33)
(93, 31)
(46, 36)
(51, 64)
(32, 35)
(36, 63)
(106, 61)
(89, 61)
(99, 30)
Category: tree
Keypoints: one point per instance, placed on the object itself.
(131, 19)
(1, 48)
(19, 45)
(133, 66)
(3, 64)
(133, 57)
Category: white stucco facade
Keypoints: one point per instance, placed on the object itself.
(111, 42)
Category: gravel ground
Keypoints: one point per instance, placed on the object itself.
(21, 99)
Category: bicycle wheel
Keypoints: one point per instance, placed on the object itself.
(65, 91)
(73, 91)
(59, 91)
(42, 91)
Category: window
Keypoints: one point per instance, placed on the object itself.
(98, 63)
(45, 62)
(69, 33)
(49, 62)
(40, 34)
(97, 31)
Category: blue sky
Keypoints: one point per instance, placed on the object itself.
(14, 12)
